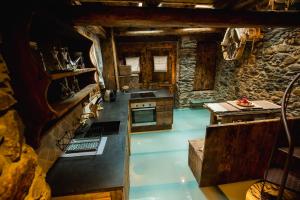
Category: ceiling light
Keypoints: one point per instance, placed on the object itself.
(160, 5)
(132, 33)
(198, 29)
(209, 6)
(140, 4)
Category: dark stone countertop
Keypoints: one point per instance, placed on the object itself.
(161, 93)
(104, 172)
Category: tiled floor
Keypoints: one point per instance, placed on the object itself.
(159, 163)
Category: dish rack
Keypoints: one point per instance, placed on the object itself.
(82, 145)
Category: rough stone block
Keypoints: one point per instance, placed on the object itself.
(296, 91)
(6, 100)
(11, 128)
(278, 94)
(295, 67)
(3, 77)
(39, 188)
(16, 178)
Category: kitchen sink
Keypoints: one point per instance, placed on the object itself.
(99, 129)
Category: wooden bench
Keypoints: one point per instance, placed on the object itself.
(234, 152)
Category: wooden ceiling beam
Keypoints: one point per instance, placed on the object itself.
(113, 16)
(155, 1)
(246, 4)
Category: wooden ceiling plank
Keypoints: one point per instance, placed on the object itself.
(113, 16)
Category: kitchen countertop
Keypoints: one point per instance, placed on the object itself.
(106, 172)
(77, 175)
(161, 93)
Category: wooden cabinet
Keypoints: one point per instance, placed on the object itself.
(38, 89)
(164, 118)
(164, 112)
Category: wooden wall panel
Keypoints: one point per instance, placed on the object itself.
(206, 66)
(146, 51)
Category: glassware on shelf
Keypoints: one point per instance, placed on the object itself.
(75, 85)
(65, 92)
(79, 60)
(43, 61)
(65, 57)
(57, 63)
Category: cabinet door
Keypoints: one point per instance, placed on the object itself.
(164, 118)
(164, 105)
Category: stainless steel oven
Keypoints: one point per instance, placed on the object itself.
(143, 114)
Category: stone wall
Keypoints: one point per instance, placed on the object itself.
(20, 175)
(187, 61)
(264, 72)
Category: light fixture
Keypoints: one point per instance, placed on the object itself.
(160, 5)
(148, 32)
(208, 6)
(140, 4)
(197, 29)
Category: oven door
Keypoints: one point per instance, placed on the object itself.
(143, 116)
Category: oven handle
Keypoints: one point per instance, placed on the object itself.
(141, 109)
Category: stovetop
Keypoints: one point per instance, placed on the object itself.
(142, 95)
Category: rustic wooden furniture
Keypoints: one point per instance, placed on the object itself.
(235, 151)
(227, 112)
(37, 90)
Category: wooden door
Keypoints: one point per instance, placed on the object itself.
(206, 66)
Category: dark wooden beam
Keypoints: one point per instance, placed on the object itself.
(247, 4)
(171, 17)
(224, 4)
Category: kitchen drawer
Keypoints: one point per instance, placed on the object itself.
(161, 108)
(164, 102)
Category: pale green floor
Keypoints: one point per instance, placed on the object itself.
(159, 163)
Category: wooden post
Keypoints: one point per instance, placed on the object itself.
(115, 59)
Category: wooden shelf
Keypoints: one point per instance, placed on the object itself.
(60, 75)
(63, 107)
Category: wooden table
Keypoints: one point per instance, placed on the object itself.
(228, 112)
